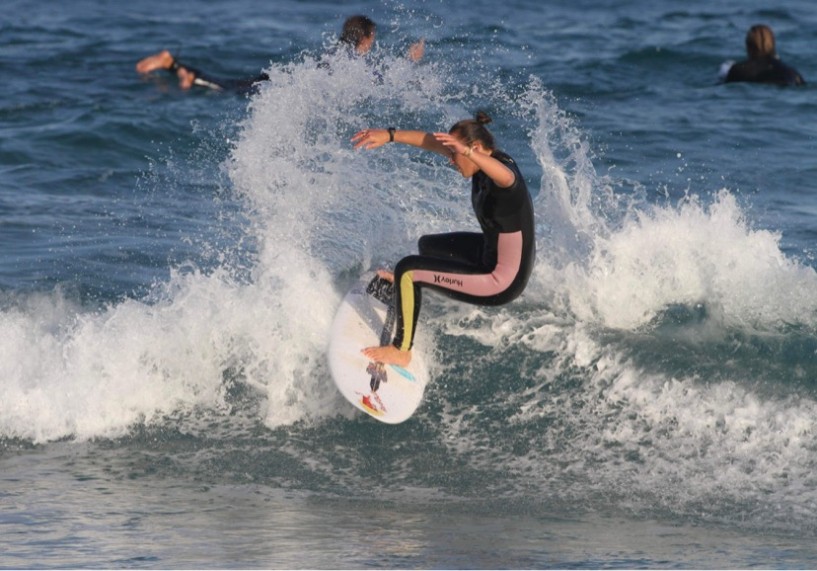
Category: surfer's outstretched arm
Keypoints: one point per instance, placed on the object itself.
(374, 138)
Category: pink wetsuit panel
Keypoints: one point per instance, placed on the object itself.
(508, 261)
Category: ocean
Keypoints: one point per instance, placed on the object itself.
(172, 261)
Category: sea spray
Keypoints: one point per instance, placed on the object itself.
(595, 387)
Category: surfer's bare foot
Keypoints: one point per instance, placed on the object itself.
(162, 60)
(386, 275)
(388, 354)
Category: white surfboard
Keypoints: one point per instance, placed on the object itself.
(389, 393)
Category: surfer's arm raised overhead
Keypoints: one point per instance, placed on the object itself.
(444, 144)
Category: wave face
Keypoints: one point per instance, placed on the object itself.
(660, 362)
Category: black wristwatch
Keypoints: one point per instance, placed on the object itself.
(391, 131)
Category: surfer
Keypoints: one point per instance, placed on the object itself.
(763, 64)
(491, 267)
(190, 76)
(358, 35)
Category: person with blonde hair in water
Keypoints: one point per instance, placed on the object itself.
(491, 267)
(763, 64)
(358, 35)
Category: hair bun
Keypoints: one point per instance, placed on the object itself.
(482, 118)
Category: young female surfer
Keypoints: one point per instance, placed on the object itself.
(487, 268)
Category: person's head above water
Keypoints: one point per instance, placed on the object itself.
(471, 131)
(763, 64)
(358, 33)
(476, 137)
(760, 42)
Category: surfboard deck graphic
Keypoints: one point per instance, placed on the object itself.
(388, 393)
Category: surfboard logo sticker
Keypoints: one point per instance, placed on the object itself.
(378, 373)
(404, 373)
(373, 404)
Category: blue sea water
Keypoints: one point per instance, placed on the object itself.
(172, 261)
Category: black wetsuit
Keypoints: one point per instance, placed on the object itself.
(235, 85)
(488, 268)
(764, 70)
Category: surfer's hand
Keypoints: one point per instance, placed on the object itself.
(370, 138)
(417, 50)
(453, 144)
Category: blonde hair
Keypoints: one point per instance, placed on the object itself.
(760, 42)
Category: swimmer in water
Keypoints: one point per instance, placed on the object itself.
(763, 64)
(358, 35)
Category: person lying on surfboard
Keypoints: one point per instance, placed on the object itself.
(487, 268)
(358, 36)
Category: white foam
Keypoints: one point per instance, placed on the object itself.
(321, 212)
(69, 372)
(692, 254)
(315, 213)
(607, 269)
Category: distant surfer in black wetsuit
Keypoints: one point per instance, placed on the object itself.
(190, 76)
(358, 35)
(763, 65)
(491, 267)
